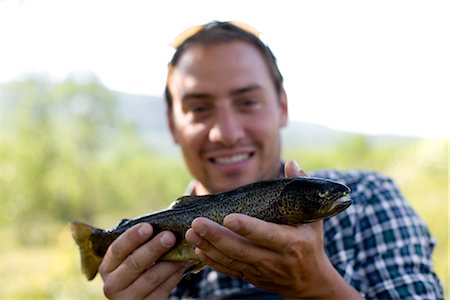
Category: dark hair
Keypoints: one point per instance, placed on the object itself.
(219, 32)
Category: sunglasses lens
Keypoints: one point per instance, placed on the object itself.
(191, 31)
(183, 36)
(246, 27)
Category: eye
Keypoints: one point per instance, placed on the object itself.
(248, 104)
(198, 108)
(323, 194)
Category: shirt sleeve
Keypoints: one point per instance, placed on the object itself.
(392, 245)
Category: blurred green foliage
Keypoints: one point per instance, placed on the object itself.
(68, 154)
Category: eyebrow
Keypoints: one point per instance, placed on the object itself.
(246, 89)
(236, 92)
(192, 96)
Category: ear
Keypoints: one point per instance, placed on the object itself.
(171, 124)
(284, 116)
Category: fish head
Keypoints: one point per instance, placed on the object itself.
(307, 199)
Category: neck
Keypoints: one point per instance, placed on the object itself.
(199, 189)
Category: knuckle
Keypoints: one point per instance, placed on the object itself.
(230, 263)
(205, 246)
(293, 252)
(151, 278)
(102, 270)
(108, 289)
(239, 253)
(269, 238)
(214, 238)
(115, 249)
(132, 264)
(267, 264)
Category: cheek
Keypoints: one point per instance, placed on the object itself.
(192, 134)
(266, 128)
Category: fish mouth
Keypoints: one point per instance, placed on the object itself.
(340, 204)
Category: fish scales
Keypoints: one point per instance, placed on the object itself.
(214, 207)
(289, 201)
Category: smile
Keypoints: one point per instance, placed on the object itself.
(231, 159)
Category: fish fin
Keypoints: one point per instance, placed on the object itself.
(184, 251)
(122, 222)
(82, 234)
(195, 268)
(178, 200)
(186, 200)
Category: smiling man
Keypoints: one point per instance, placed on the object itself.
(225, 108)
(227, 122)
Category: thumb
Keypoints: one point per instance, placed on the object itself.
(292, 169)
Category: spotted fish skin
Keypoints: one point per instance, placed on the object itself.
(289, 201)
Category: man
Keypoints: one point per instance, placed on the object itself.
(225, 106)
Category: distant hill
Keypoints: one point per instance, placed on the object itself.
(148, 113)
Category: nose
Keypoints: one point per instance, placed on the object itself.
(227, 128)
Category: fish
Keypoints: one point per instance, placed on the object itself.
(288, 201)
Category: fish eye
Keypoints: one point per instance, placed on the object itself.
(323, 194)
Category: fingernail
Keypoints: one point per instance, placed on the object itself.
(166, 240)
(198, 252)
(201, 230)
(191, 237)
(145, 230)
(296, 165)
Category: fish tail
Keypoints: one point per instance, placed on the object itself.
(82, 234)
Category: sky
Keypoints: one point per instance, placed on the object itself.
(374, 67)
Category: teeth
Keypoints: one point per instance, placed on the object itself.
(231, 159)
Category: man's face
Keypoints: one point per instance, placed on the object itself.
(226, 115)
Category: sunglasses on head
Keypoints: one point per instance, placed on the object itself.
(191, 31)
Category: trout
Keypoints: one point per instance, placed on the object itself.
(289, 201)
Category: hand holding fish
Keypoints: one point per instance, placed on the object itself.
(248, 224)
(129, 269)
(287, 260)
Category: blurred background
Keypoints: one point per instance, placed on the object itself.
(83, 134)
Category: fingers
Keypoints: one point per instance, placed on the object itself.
(156, 282)
(129, 258)
(124, 245)
(225, 264)
(292, 169)
(268, 235)
(209, 237)
(245, 247)
(242, 238)
(221, 244)
(168, 284)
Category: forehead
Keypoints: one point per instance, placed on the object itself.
(222, 65)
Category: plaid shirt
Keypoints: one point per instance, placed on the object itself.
(379, 245)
